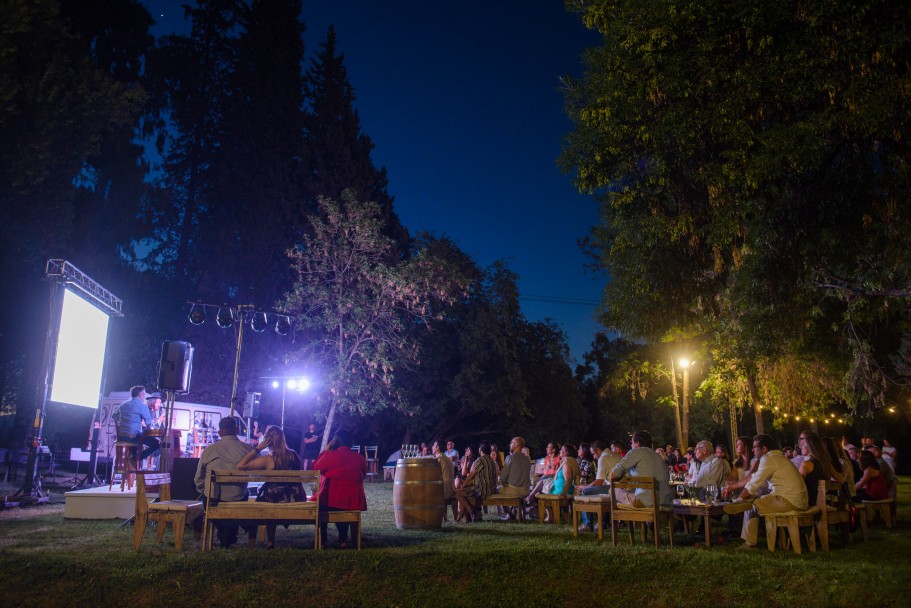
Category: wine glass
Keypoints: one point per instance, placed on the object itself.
(711, 492)
(681, 490)
(724, 489)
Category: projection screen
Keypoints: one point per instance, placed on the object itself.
(79, 363)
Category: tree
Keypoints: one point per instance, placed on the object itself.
(352, 309)
(65, 105)
(339, 151)
(751, 160)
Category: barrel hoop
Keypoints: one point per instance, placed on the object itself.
(418, 507)
(418, 483)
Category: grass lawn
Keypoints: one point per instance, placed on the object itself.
(46, 560)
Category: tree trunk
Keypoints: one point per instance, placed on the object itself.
(685, 416)
(327, 432)
(757, 403)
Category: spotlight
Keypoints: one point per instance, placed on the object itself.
(225, 318)
(197, 315)
(292, 384)
(283, 325)
(275, 384)
(303, 384)
(259, 322)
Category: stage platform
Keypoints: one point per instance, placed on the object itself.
(99, 503)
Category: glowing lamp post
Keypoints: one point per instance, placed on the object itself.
(685, 364)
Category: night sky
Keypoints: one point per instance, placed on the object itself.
(463, 103)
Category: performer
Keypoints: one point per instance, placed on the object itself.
(130, 417)
(158, 416)
(310, 447)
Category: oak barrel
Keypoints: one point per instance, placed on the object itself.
(417, 494)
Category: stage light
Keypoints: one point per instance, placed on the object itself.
(225, 318)
(303, 384)
(259, 322)
(275, 384)
(197, 315)
(292, 384)
(282, 325)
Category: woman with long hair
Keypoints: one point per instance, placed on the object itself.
(280, 458)
(872, 485)
(464, 469)
(816, 465)
(842, 472)
(587, 465)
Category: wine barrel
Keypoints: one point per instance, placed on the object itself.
(417, 494)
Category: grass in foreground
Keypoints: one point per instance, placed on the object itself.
(46, 560)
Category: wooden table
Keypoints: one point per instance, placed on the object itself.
(704, 510)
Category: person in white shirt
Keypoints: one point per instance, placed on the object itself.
(787, 489)
(712, 470)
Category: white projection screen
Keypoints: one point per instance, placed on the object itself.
(81, 343)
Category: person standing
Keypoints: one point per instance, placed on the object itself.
(310, 446)
(225, 453)
(130, 418)
(341, 487)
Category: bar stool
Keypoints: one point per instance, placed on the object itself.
(126, 455)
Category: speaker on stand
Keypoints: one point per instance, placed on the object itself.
(173, 378)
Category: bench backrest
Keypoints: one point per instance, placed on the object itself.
(310, 479)
(151, 478)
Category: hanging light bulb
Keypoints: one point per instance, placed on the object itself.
(197, 314)
(259, 322)
(225, 318)
(283, 325)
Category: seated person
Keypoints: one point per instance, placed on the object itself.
(342, 473)
(515, 477)
(280, 458)
(607, 460)
(642, 461)
(480, 483)
(586, 464)
(131, 416)
(567, 476)
(447, 471)
(551, 466)
(872, 484)
(776, 482)
(712, 470)
(224, 454)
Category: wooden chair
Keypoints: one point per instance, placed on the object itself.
(815, 518)
(838, 512)
(656, 514)
(556, 503)
(126, 462)
(370, 452)
(598, 504)
(356, 449)
(163, 511)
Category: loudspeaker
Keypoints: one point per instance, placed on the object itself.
(251, 404)
(176, 366)
(183, 472)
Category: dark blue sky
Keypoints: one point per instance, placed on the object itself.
(463, 102)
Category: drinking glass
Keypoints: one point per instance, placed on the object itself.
(681, 490)
(711, 493)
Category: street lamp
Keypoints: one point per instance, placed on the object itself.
(685, 364)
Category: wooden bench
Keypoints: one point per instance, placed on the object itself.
(556, 503)
(163, 511)
(499, 500)
(883, 507)
(283, 513)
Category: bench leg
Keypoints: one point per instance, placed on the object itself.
(160, 524)
(139, 528)
(180, 522)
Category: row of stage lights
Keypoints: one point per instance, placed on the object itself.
(226, 317)
(299, 384)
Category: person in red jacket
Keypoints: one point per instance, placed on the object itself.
(341, 488)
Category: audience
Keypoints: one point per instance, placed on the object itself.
(515, 477)
(586, 464)
(480, 483)
(872, 484)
